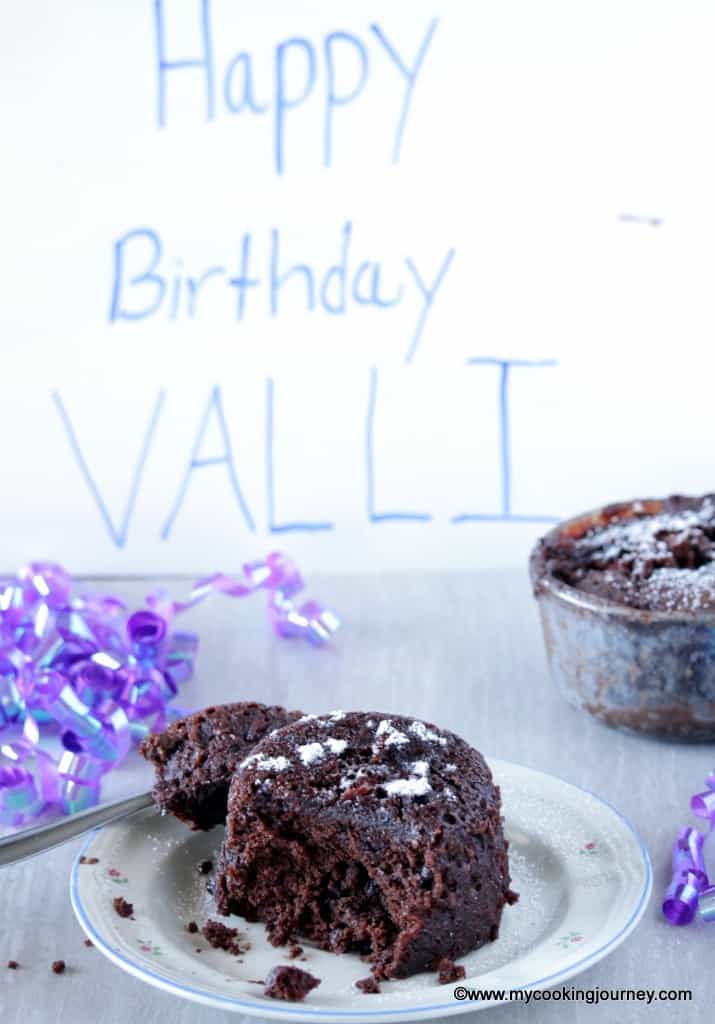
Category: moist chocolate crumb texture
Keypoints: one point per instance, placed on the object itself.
(196, 757)
(220, 936)
(370, 986)
(633, 556)
(289, 983)
(121, 906)
(448, 971)
(367, 833)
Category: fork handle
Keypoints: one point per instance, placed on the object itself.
(31, 841)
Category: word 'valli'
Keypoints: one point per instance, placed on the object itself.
(200, 461)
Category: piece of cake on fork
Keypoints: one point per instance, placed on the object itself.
(195, 757)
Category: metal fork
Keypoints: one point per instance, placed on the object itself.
(31, 841)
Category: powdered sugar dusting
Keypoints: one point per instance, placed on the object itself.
(393, 736)
(673, 589)
(646, 535)
(416, 785)
(420, 730)
(266, 764)
(323, 720)
(662, 562)
(309, 753)
(335, 746)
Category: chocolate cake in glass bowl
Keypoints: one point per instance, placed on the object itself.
(368, 833)
(627, 602)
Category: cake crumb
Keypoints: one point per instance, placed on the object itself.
(370, 985)
(121, 906)
(205, 867)
(289, 983)
(192, 927)
(88, 942)
(294, 952)
(448, 971)
(221, 937)
(89, 860)
(13, 965)
(58, 966)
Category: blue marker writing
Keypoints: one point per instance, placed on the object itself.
(118, 534)
(150, 248)
(238, 86)
(203, 63)
(372, 514)
(198, 461)
(428, 294)
(409, 73)
(286, 99)
(506, 514)
(333, 98)
(273, 526)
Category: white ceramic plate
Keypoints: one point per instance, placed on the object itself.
(583, 875)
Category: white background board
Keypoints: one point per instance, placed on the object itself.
(544, 170)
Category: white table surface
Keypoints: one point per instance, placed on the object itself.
(464, 651)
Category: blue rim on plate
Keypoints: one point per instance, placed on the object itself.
(207, 997)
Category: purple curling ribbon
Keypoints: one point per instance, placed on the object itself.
(703, 804)
(100, 679)
(280, 578)
(689, 877)
(690, 891)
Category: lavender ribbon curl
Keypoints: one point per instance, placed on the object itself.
(690, 891)
(98, 679)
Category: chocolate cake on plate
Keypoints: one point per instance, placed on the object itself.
(367, 833)
(195, 758)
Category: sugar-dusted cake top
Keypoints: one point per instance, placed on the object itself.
(660, 560)
(369, 763)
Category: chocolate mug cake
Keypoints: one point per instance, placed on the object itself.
(627, 602)
(367, 833)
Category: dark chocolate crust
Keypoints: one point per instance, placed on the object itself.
(196, 757)
(651, 555)
(371, 833)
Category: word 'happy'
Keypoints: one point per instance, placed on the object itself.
(328, 76)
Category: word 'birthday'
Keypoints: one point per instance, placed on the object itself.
(325, 75)
(145, 283)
